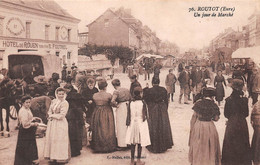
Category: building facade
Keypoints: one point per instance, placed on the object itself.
(254, 29)
(119, 27)
(37, 26)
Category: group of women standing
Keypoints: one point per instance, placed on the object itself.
(141, 119)
(204, 141)
(132, 125)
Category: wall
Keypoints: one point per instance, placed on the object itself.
(114, 32)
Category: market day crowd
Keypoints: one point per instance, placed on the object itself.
(141, 116)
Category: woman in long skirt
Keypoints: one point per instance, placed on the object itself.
(158, 121)
(218, 83)
(57, 147)
(75, 119)
(204, 140)
(255, 121)
(120, 98)
(26, 152)
(236, 147)
(103, 124)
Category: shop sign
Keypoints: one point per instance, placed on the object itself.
(30, 45)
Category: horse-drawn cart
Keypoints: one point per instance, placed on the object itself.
(22, 68)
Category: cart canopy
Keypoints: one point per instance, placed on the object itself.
(250, 52)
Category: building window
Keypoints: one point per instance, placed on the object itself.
(28, 29)
(57, 54)
(1, 25)
(69, 34)
(47, 27)
(68, 55)
(57, 32)
(106, 22)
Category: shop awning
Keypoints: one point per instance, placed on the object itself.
(249, 52)
(149, 56)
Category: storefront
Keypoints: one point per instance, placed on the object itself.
(42, 27)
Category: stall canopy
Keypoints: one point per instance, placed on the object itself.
(149, 56)
(249, 52)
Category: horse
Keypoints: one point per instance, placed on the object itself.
(10, 92)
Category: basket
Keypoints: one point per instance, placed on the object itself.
(41, 128)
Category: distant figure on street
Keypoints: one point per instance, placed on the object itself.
(196, 84)
(205, 76)
(170, 84)
(184, 80)
(156, 69)
(218, 83)
(64, 73)
(180, 67)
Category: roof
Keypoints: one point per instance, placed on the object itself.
(49, 6)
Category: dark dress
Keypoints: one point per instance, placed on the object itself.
(26, 148)
(236, 148)
(158, 121)
(218, 83)
(87, 95)
(75, 121)
(103, 124)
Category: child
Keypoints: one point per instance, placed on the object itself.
(137, 130)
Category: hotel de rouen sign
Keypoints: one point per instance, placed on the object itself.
(30, 45)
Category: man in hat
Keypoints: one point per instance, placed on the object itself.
(205, 75)
(134, 83)
(40, 88)
(195, 77)
(184, 79)
(238, 74)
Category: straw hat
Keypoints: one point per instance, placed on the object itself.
(40, 79)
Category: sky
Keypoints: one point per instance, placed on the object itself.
(171, 19)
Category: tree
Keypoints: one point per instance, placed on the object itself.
(112, 52)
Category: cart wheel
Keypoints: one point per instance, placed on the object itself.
(13, 113)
